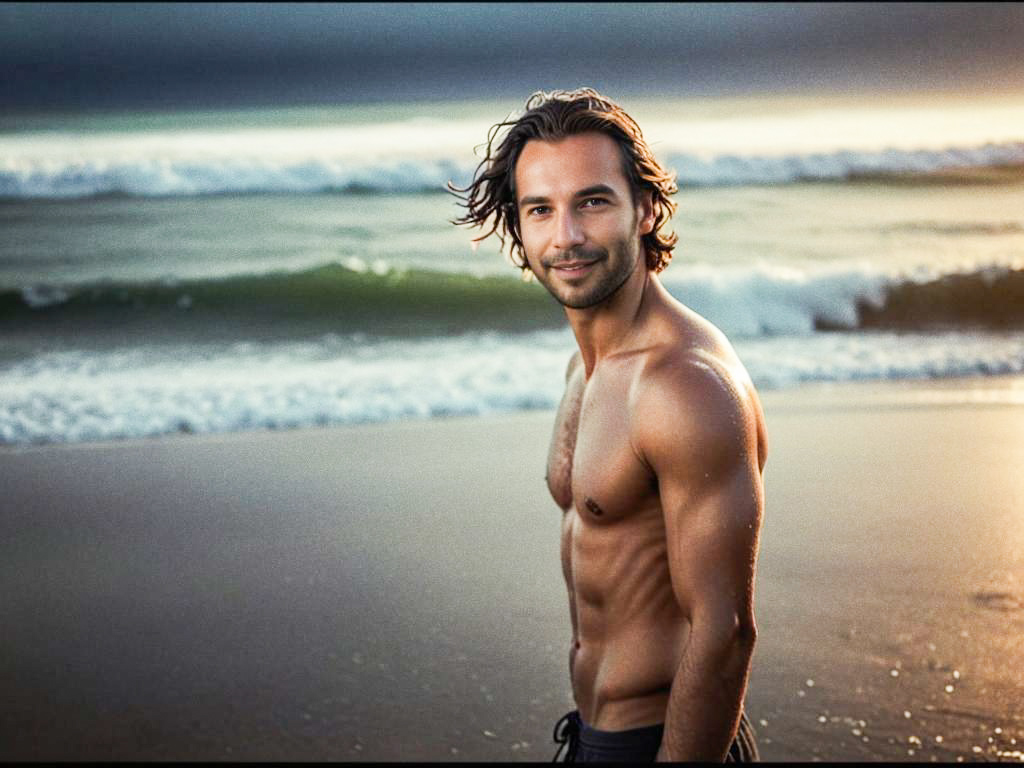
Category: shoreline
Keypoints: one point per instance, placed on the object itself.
(393, 591)
(995, 390)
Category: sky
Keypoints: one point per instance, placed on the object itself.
(180, 55)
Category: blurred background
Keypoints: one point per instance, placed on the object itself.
(220, 217)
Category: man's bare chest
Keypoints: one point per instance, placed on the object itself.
(593, 464)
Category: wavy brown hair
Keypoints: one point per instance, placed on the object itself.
(551, 116)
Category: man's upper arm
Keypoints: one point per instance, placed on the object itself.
(698, 428)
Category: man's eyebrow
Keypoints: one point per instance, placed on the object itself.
(534, 200)
(596, 189)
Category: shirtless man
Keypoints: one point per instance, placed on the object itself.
(659, 442)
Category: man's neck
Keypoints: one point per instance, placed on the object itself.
(613, 325)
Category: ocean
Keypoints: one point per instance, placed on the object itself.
(198, 272)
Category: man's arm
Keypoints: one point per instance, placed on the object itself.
(701, 433)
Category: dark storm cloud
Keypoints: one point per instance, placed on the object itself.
(207, 54)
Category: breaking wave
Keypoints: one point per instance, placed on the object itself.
(82, 175)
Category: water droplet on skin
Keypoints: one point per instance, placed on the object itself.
(801, 693)
(949, 689)
(809, 683)
(763, 722)
(822, 719)
(490, 735)
(906, 713)
(975, 749)
(894, 672)
(956, 674)
(938, 738)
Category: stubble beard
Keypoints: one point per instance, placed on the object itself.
(609, 283)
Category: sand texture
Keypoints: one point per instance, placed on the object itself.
(393, 592)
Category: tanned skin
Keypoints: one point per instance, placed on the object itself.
(656, 461)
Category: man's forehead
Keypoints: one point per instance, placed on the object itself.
(580, 160)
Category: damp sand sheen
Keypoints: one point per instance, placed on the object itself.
(393, 592)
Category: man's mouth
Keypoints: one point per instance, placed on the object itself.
(573, 268)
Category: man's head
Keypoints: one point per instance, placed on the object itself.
(550, 119)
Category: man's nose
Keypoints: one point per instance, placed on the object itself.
(568, 231)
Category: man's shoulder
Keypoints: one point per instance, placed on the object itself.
(685, 377)
(694, 361)
(693, 390)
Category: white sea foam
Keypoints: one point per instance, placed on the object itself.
(732, 169)
(767, 300)
(783, 362)
(277, 162)
(78, 396)
(74, 396)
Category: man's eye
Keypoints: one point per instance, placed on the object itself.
(538, 209)
(591, 202)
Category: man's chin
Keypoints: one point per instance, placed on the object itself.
(579, 301)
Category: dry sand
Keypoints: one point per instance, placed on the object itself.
(393, 592)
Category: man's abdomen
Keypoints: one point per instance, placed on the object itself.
(624, 681)
(628, 623)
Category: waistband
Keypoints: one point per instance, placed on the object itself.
(631, 739)
(582, 742)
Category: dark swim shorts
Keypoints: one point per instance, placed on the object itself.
(584, 744)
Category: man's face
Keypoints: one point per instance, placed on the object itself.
(580, 228)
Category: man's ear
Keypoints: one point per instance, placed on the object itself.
(645, 212)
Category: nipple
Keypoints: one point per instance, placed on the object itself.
(592, 506)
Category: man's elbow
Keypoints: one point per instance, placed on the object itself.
(731, 637)
(737, 648)
(745, 631)
(743, 637)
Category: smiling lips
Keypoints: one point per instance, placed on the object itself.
(573, 268)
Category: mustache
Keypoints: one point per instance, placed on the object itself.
(579, 254)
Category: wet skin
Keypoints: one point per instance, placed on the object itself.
(655, 460)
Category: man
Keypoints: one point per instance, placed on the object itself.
(658, 447)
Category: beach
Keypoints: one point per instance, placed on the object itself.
(393, 591)
(274, 415)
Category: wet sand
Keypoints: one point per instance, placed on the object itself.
(392, 592)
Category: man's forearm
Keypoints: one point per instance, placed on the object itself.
(707, 697)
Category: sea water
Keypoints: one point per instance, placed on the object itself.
(220, 271)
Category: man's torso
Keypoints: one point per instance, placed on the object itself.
(628, 630)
